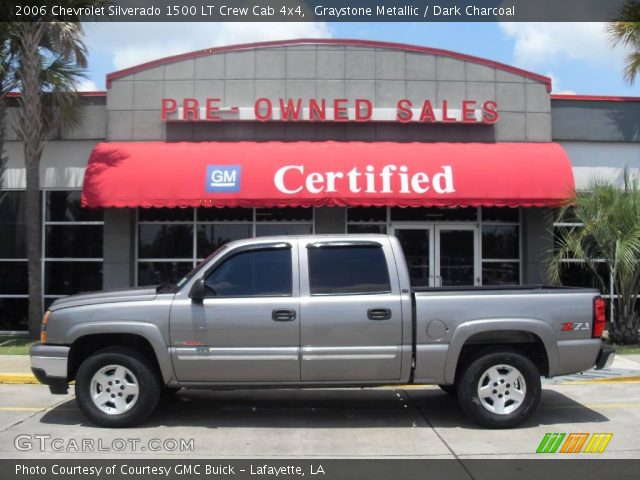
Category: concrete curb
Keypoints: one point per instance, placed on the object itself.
(18, 378)
(625, 379)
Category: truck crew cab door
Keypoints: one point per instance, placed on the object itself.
(351, 311)
(247, 328)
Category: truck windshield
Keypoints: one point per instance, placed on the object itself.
(177, 286)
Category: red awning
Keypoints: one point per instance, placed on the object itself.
(278, 174)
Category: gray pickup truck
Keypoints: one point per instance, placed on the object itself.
(316, 311)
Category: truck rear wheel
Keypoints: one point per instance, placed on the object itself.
(117, 387)
(501, 389)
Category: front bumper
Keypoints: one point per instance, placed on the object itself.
(49, 365)
(605, 357)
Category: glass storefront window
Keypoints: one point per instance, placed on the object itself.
(73, 241)
(214, 214)
(501, 214)
(67, 278)
(165, 241)
(14, 314)
(13, 278)
(210, 237)
(577, 274)
(12, 226)
(172, 241)
(433, 214)
(161, 273)
(366, 228)
(367, 214)
(165, 214)
(73, 245)
(65, 206)
(500, 241)
(290, 214)
(500, 273)
(283, 229)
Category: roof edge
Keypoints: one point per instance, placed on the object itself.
(329, 41)
(80, 94)
(594, 98)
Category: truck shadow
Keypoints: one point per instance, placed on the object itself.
(325, 408)
(443, 411)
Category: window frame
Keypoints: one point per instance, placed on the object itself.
(45, 259)
(479, 223)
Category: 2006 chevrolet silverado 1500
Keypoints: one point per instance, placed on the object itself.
(316, 311)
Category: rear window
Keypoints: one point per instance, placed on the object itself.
(348, 270)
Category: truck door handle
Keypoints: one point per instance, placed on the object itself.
(379, 313)
(283, 315)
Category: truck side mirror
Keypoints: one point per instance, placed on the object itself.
(197, 290)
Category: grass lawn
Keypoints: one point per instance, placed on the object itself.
(627, 349)
(12, 345)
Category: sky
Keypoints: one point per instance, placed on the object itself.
(578, 57)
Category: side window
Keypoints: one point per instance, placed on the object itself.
(253, 273)
(348, 270)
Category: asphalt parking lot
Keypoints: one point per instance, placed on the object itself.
(383, 423)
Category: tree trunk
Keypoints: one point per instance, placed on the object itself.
(34, 137)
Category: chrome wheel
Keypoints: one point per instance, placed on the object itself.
(114, 389)
(502, 389)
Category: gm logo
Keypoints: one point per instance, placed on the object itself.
(223, 178)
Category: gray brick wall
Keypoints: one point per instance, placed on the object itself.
(601, 121)
(92, 125)
(328, 71)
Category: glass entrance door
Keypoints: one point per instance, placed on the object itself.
(456, 256)
(440, 255)
(417, 244)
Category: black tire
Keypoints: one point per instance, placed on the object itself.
(475, 375)
(450, 389)
(144, 374)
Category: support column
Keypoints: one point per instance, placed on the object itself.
(330, 220)
(119, 248)
(537, 243)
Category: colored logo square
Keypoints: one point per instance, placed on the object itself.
(223, 178)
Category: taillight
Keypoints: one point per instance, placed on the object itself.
(599, 317)
(43, 327)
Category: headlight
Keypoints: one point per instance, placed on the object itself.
(43, 328)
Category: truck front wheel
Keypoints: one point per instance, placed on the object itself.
(501, 389)
(117, 387)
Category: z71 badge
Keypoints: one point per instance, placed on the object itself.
(573, 326)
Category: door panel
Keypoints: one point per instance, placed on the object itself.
(351, 321)
(249, 331)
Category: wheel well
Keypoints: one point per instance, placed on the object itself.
(525, 343)
(84, 346)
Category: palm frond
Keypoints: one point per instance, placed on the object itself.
(610, 231)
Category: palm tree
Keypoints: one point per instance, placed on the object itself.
(609, 232)
(7, 83)
(52, 57)
(626, 32)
